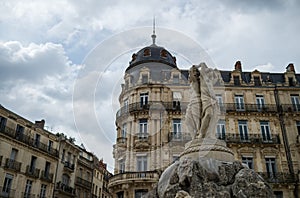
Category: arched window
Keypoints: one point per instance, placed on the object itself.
(65, 179)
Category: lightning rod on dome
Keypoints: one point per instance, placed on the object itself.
(153, 35)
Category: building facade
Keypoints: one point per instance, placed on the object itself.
(260, 122)
(35, 163)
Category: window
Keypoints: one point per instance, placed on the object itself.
(257, 81)
(243, 130)
(47, 169)
(124, 130)
(65, 179)
(265, 131)
(43, 191)
(291, 82)
(236, 80)
(176, 100)
(28, 189)
(295, 102)
(239, 102)
(220, 101)
(143, 131)
(140, 193)
(19, 132)
(176, 79)
(13, 154)
(145, 78)
(88, 175)
(141, 163)
(126, 103)
(63, 155)
(7, 185)
(221, 131)
(122, 166)
(278, 194)
(248, 161)
(147, 52)
(2, 123)
(37, 139)
(120, 194)
(32, 164)
(270, 166)
(260, 102)
(69, 157)
(177, 129)
(50, 145)
(298, 126)
(143, 99)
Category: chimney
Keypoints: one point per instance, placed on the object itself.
(40, 123)
(238, 66)
(290, 68)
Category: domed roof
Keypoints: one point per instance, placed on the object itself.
(152, 53)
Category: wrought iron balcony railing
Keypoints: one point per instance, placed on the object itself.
(12, 164)
(126, 176)
(28, 195)
(83, 182)
(65, 188)
(241, 107)
(141, 136)
(179, 136)
(152, 105)
(46, 176)
(6, 192)
(250, 138)
(291, 107)
(32, 172)
(69, 166)
(278, 177)
(28, 140)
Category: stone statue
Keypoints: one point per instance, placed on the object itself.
(202, 112)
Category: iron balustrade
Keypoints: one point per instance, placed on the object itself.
(6, 192)
(237, 107)
(28, 195)
(32, 172)
(28, 140)
(69, 165)
(142, 136)
(134, 175)
(278, 177)
(250, 138)
(290, 107)
(65, 188)
(152, 105)
(83, 182)
(179, 136)
(121, 140)
(45, 176)
(12, 164)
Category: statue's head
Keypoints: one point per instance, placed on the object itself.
(194, 74)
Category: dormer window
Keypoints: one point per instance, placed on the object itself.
(147, 52)
(145, 78)
(163, 53)
(257, 81)
(236, 80)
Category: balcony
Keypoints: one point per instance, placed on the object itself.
(65, 189)
(235, 107)
(69, 166)
(179, 137)
(47, 177)
(32, 172)
(290, 108)
(83, 182)
(136, 177)
(28, 140)
(152, 105)
(121, 140)
(278, 178)
(28, 195)
(7, 192)
(12, 165)
(232, 138)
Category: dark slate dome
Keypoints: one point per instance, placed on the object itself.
(152, 53)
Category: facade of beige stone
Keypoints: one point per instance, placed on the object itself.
(260, 122)
(35, 163)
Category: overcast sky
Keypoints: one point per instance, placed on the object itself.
(63, 61)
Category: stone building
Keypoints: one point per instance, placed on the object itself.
(28, 157)
(35, 163)
(100, 181)
(260, 122)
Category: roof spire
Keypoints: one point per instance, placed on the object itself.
(153, 35)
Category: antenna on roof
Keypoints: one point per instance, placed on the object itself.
(153, 35)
